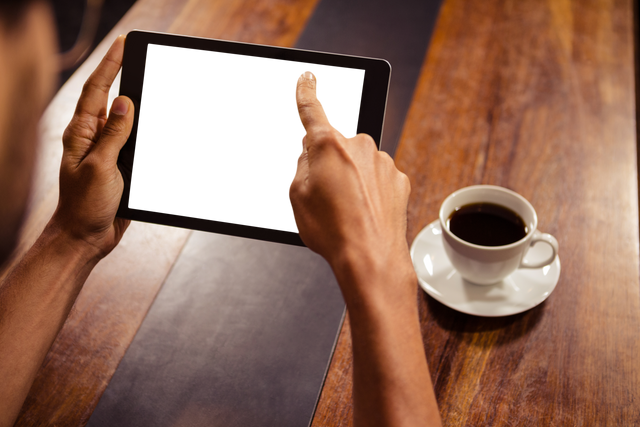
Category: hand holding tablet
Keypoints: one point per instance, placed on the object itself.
(349, 198)
(90, 185)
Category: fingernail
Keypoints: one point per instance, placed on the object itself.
(120, 107)
(311, 76)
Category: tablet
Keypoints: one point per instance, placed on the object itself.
(217, 136)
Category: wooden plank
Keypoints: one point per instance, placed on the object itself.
(335, 406)
(538, 97)
(120, 291)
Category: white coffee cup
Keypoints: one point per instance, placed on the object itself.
(486, 265)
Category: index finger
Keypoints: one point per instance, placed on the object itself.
(311, 112)
(95, 92)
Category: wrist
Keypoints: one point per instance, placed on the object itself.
(373, 278)
(67, 245)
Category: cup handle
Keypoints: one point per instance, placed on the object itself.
(541, 237)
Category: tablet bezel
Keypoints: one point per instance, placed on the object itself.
(370, 121)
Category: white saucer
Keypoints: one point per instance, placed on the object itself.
(522, 290)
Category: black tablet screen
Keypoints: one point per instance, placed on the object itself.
(219, 135)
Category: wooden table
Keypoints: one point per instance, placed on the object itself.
(537, 96)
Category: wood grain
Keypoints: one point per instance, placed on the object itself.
(335, 406)
(537, 97)
(119, 292)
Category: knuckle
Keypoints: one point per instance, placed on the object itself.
(405, 180)
(404, 183)
(386, 158)
(114, 127)
(402, 180)
(366, 138)
(93, 83)
(307, 83)
(91, 167)
(68, 134)
(365, 143)
(326, 137)
(78, 128)
(296, 191)
(386, 162)
(295, 181)
(308, 104)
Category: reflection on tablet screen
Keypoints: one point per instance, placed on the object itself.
(219, 134)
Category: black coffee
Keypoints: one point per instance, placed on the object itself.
(487, 224)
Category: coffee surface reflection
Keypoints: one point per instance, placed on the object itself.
(487, 224)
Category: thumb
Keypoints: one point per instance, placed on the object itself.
(117, 129)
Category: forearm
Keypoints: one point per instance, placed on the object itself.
(392, 385)
(35, 300)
